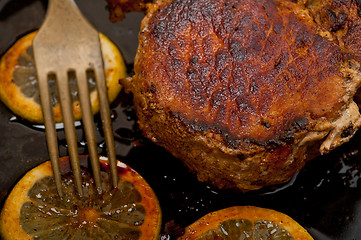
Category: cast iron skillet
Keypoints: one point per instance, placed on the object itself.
(324, 197)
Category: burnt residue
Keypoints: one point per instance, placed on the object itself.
(266, 124)
(241, 157)
(298, 125)
(349, 131)
(337, 21)
(231, 141)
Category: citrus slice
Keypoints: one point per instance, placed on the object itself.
(33, 210)
(245, 222)
(19, 84)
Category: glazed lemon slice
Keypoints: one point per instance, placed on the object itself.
(33, 210)
(19, 84)
(246, 222)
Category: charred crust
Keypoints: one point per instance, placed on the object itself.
(348, 132)
(287, 137)
(300, 123)
(153, 88)
(265, 123)
(337, 21)
(241, 157)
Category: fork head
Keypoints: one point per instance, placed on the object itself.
(65, 45)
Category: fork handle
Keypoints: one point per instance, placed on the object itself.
(68, 12)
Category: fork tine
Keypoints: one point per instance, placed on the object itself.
(70, 134)
(106, 122)
(50, 130)
(89, 128)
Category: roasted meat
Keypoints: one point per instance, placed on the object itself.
(245, 92)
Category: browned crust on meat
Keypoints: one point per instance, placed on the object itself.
(244, 93)
(236, 69)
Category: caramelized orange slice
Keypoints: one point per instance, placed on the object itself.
(19, 85)
(247, 222)
(33, 210)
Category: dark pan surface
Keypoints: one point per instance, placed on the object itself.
(325, 197)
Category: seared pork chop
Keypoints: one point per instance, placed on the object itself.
(245, 92)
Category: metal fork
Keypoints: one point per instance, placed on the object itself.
(67, 43)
